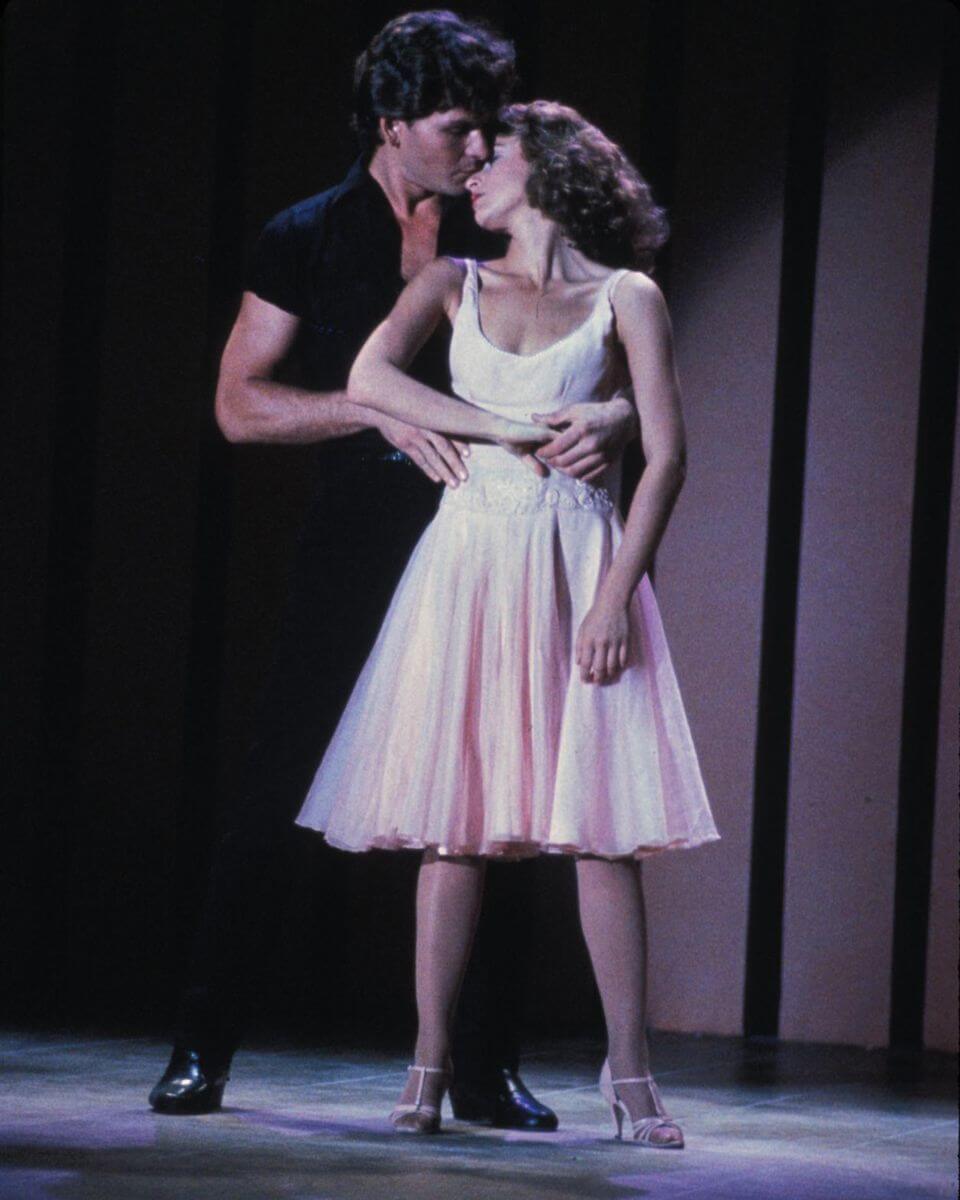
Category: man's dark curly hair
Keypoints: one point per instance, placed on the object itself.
(584, 182)
(426, 62)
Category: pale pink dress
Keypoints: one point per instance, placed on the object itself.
(469, 728)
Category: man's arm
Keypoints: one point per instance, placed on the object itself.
(252, 407)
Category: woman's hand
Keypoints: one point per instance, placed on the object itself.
(588, 437)
(602, 647)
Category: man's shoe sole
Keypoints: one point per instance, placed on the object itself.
(536, 1125)
(467, 1111)
(188, 1106)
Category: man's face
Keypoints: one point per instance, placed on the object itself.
(441, 151)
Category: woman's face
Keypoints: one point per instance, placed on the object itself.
(498, 190)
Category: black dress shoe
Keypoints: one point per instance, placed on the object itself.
(192, 1084)
(504, 1100)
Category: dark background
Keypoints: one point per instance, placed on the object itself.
(144, 146)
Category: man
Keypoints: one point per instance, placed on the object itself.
(325, 273)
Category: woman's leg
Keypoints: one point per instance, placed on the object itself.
(448, 903)
(613, 919)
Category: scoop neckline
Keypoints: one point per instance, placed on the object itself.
(536, 353)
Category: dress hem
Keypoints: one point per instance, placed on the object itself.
(507, 848)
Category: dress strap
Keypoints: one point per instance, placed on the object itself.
(468, 292)
(611, 284)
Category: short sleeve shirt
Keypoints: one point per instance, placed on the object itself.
(333, 261)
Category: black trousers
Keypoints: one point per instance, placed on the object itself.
(361, 528)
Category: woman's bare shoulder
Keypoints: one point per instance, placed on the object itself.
(444, 271)
(637, 288)
(637, 301)
(438, 283)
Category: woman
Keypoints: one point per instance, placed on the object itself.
(520, 697)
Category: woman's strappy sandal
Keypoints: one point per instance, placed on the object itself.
(643, 1128)
(419, 1117)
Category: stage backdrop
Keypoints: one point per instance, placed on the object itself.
(808, 155)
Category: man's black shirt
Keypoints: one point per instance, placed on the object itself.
(333, 261)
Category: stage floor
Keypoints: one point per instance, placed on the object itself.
(761, 1123)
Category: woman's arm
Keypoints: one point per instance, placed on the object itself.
(378, 378)
(644, 330)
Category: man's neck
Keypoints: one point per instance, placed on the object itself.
(407, 200)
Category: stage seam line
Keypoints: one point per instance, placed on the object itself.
(890, 1137)
(357, 1079)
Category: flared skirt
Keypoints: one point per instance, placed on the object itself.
(470, 730)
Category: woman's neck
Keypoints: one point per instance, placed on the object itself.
(539, 252)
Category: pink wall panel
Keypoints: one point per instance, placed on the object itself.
(709, 574)
(856, 530)
(940, 1014)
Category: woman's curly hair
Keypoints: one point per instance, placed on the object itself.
(584, 182)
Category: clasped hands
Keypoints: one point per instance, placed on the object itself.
(581, 440)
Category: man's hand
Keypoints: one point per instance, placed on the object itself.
(440, 458)
(590, 436)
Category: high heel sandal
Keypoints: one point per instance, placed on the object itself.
(643, 1128)
(419, 1117)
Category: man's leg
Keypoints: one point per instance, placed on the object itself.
(356, 543)
(487, 1084)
